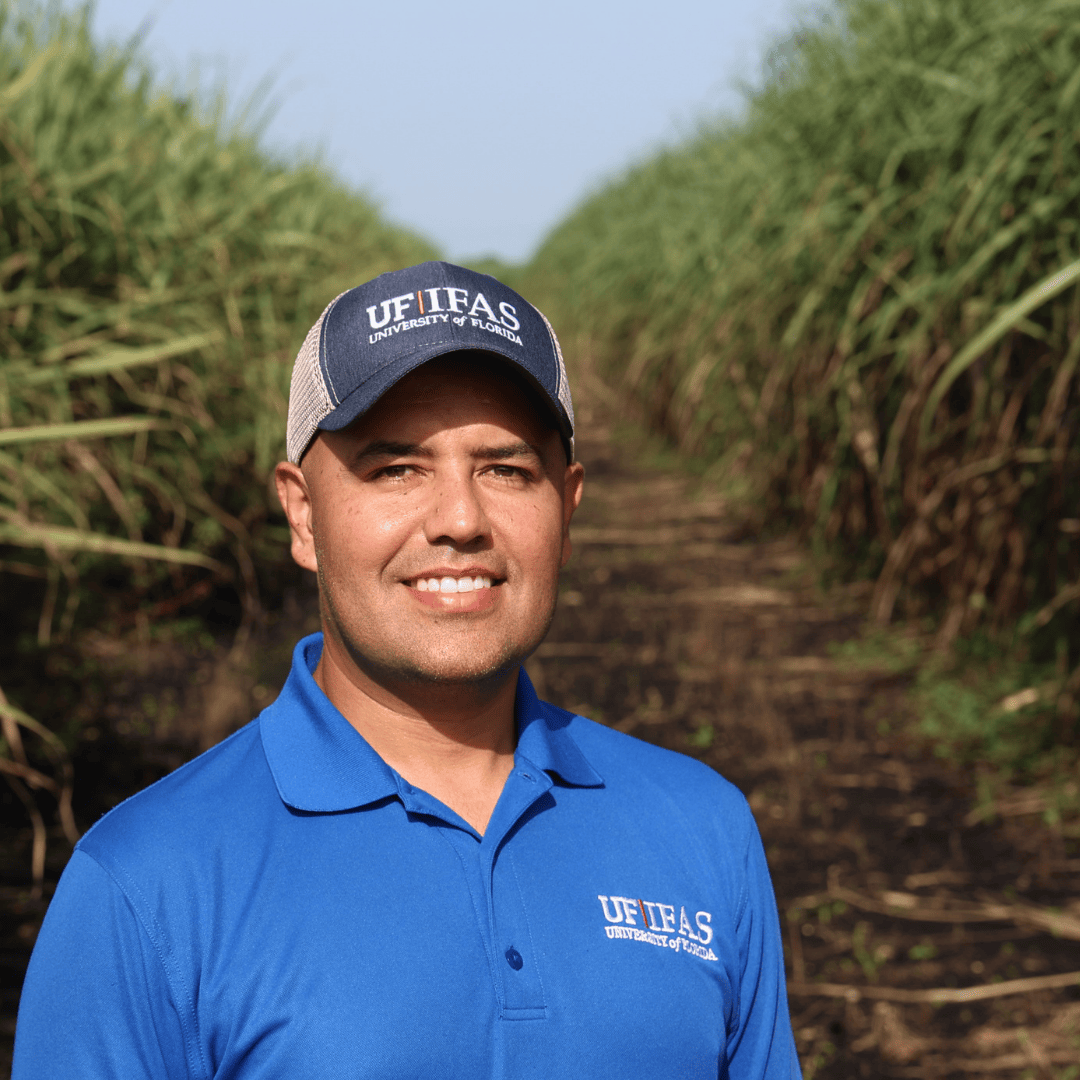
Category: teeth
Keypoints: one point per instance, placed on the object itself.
(452, 584)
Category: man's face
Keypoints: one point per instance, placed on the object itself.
(452, 480)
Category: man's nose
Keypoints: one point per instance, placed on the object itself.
(456, 515)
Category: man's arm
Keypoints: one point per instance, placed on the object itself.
(762, 1046)
(97, 1002)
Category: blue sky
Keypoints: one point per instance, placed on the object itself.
(478, 124)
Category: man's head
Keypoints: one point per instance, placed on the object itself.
(437, 518)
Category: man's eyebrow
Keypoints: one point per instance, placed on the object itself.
(510, 450)
(383, 448)
(388, 448)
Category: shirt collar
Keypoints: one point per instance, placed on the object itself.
(321, 763)
(545, 740)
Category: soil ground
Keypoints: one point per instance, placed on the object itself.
(923, 940)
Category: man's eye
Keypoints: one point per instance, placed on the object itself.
(507, 471)
(394, 472)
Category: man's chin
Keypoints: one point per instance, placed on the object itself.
(433, 670)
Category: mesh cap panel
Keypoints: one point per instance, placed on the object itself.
(309, 399)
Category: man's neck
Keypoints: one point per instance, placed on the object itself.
(454, 742)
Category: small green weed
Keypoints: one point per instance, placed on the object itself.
(999, 711)
(702, 738)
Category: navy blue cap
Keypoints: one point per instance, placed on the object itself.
(371, 336)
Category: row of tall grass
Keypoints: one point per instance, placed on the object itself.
(861, 297)
(157, 274)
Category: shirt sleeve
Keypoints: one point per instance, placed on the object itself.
(762, 1046)
(97, 1003)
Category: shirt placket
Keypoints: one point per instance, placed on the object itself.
(517, 959)
(495, 890)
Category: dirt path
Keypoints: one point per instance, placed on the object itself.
(675, 626)
(889, 887)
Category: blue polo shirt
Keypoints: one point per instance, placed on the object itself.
(288, 906)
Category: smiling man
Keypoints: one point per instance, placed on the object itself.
(408, 865)
(437, 523)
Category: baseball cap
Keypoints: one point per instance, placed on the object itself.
(371, 336)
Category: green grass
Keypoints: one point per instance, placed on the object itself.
(158, 272)
(860, 303)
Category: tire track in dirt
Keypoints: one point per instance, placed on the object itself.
(921, 941)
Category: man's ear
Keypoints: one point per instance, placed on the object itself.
(573, 486)
(295, 496)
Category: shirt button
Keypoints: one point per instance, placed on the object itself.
(513, 958)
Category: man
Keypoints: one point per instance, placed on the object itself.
(408, 866)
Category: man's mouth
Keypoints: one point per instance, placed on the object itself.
(465, 584)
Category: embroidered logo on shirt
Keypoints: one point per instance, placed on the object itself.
(658, 925)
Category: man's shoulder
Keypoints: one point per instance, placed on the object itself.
(216, 790)
(646, 772)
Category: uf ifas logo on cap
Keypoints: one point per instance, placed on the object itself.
(658, 925)
(441, 305)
